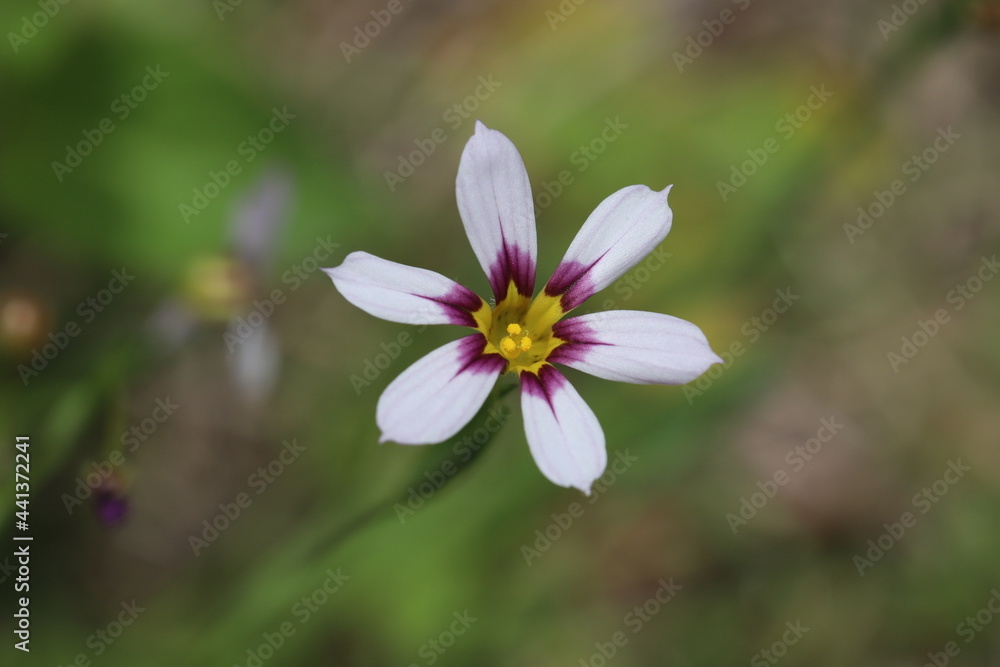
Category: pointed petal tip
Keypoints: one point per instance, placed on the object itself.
(333, 270)
(645, 188)
(664, 194)
(710, 358)
(398, 439)
(586, 488)
(480, 126)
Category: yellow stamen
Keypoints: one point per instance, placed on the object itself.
(519, 329)
(508, 348)
(517, 342)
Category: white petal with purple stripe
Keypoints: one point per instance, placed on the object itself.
(634, 346)
(564, 436)
(494, 201)
(401, 293)
(620, 232)
(438, 395)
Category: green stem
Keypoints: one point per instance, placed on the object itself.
(251, 604)
(435, 461)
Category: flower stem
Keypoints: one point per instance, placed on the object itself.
(435, 461)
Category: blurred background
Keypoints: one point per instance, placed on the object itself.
(205, 483)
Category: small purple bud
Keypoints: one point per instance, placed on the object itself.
(111, 502)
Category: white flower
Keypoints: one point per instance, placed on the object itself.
(525, 334)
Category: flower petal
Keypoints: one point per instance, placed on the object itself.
(622, 230)
(401, 293)
(255, 362)
(435, 397)
(494, 201)
(564, 436)
(258, 218)
(634, 346)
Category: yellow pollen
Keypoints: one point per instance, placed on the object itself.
(519, 329)
(515, 343)
(508, 347)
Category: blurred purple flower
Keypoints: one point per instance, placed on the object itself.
(111, 502)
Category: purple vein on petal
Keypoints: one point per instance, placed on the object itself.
(572, 282)
(459, 304)
(579, 336)
(512, 263)
(543, 385)
(473, 360)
